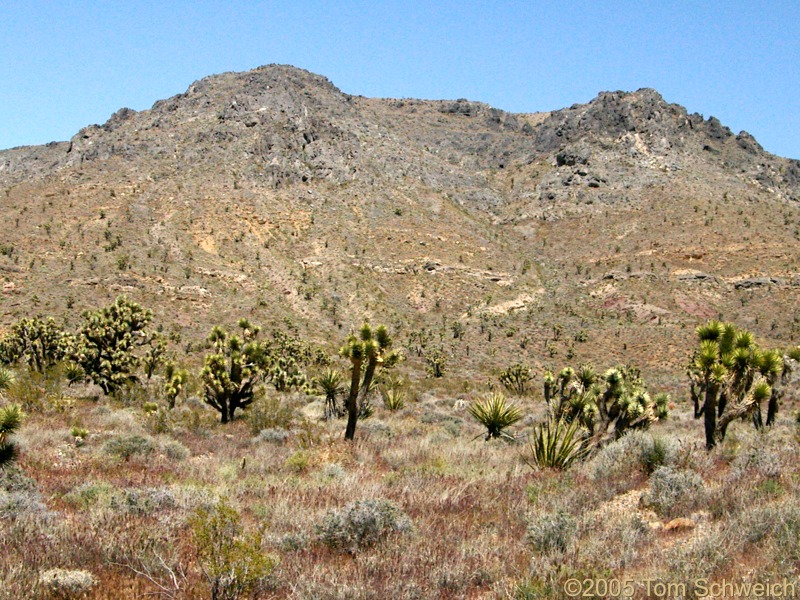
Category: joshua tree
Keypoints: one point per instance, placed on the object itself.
(731, 376)
(175, 380)
(39, 342)
(232, 372)
(106, 345)
(155, 354)
(515, 378)
(606, 406)
(368, 351)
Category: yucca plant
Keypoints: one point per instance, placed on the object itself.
(556, 444)
(330, 384)
(495, 414)
(10, 420)
(394, 399)
(6, 378)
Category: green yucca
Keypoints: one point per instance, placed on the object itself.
(556, 445)
(394, 399)
(495, 414)
(10, 420)
(6, 378)
(329, 383)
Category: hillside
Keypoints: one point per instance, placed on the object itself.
(603, 231)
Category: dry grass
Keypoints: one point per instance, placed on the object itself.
(480, 523)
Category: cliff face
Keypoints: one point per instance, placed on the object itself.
(274, 194)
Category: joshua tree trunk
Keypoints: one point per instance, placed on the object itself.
(352, 401)
(710, 414)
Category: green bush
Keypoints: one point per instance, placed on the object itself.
(128, 446)
(231, 560)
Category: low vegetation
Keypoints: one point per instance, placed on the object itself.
(239, 476)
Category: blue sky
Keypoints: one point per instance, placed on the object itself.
(67, 64)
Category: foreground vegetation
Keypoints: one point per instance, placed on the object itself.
(150, 489)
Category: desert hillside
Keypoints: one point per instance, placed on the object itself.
(622, 223)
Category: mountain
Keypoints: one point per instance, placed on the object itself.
(604, 231)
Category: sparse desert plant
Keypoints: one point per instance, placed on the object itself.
(730, 377)
(496, 414)
(231, 560)
(106, 345)
(233, 371)
(369, 350)
(515, 378)
(361, 524)
(10, 420)
(6, 378)
(555, 444)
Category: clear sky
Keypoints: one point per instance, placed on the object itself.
(69, 63)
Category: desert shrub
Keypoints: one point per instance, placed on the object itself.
(552, 532)
(633, 452)
(231, 560)
(91, 493)
(293, 542)
(272, 435)
(270, 412)
(673, 490)
(495, 414)
(143, 501)
(128, 446)
(63, 583)
(35, 391)
(19, 502)
(616, 541)
(361, 524)
(174, 450)
(298, 462)
(698, 558)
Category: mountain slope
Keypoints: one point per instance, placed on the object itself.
(602, 231)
